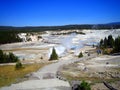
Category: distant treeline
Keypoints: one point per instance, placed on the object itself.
(65, 27)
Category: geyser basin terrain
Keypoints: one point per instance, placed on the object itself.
(38, 51)
(62, 43)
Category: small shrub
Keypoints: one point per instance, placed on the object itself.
(18, 65)
(84, 86)
(80, 55)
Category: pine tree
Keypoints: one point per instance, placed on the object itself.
(110, 41)
(1, 56)
(12, 58)
(101, 43)
(105, 42)
(54, 55)
(117, 44)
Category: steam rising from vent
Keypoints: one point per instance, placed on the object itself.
(67, 42)
(77, 49)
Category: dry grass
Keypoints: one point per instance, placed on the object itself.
(8, 73)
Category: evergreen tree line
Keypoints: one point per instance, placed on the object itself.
(7, 58)
(9, 37)
(111, 43)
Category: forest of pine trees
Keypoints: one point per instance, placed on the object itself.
(111, 43)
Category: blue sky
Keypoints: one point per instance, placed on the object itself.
(58, 12)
